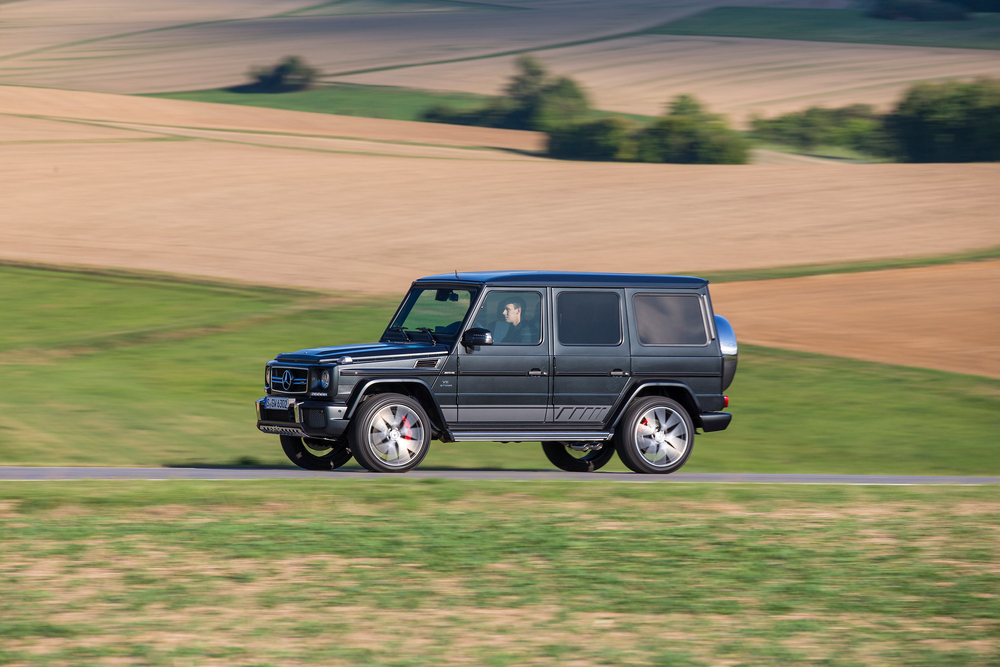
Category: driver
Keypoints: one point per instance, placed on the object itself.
(517, 330)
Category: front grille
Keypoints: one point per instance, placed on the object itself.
(289, 380)
(315, 418)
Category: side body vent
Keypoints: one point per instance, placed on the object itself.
(426, 363)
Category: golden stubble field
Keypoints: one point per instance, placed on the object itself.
(361, 205)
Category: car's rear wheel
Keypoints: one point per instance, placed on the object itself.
(315, 454)
(390, 433)
(579, 456)
(655, 436)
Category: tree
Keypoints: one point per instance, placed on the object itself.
(291, 74)
(688, 134)
(949, 122)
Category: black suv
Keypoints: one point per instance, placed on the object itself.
(585, 363)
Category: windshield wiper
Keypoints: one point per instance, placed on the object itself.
(402, 330)
(428, 332)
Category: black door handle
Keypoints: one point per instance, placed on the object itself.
(618, 373)
(536, 372)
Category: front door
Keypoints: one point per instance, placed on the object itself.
(506, 383)
(592, 361)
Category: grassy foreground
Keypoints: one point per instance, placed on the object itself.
(407, 572)
(981, 31)
(112, 370)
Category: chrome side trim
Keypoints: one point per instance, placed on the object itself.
(531, 436)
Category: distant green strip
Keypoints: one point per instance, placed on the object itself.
(802, 270)
(139, 276)
(982, 31)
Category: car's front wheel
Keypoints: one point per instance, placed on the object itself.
(390, 433)
(315, 454)
(578, 456)
(655, 436)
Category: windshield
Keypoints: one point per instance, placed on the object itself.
(431, 315)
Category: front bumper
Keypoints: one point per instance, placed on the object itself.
(303, 419)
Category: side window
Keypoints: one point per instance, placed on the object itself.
(669, 319)
(589, 318)
(514, 318)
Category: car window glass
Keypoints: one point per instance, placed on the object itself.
(589, 318)
(441, 310)
(521, 324)
(669, 319)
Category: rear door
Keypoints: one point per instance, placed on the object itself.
(591, 356)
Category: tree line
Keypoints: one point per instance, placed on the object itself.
(946, 122)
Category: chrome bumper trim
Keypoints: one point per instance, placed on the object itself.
(282, 430)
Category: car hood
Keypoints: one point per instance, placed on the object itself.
(365, 351)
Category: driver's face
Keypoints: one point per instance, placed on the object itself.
(511, 313)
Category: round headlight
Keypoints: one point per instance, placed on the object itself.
(324, 379)
(267, 377)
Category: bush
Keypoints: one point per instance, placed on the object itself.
(533, 100)
(948, 122)
(686, 134)
(604, 139)
(917, 10)
(289, 75)
(857, 126)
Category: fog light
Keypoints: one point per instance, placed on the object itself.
(324, 380)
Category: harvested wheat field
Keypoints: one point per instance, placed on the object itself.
(943, 317)
(128, 47)
(361, 205)
(365, 203)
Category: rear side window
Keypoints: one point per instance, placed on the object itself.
(669, 319)
(589, 318)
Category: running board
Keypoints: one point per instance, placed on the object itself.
(531, 436)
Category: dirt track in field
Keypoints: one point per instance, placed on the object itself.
(943, 317)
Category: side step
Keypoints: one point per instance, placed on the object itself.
(531, 436)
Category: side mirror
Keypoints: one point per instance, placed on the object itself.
(477, 336)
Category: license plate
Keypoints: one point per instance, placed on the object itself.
(277, 403)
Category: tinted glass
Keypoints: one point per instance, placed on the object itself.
(589, 318)
(515, 318)
(669, 319)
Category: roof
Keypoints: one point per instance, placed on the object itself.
(565, 279)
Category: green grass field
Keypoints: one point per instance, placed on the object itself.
(356, 100)
(344, 99)
(112, 370)
(408, 572)
(982, 31)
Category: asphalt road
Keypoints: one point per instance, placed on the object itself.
(18, 473)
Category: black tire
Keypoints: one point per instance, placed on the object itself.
(655, 436)
(571, 460)
(390, 433)
(315, 454)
